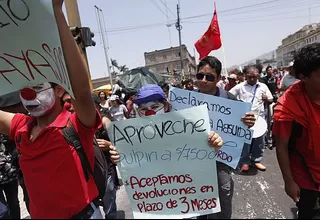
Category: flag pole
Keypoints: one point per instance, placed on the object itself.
(224, 58)
(222, 44)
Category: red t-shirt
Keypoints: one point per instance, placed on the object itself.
(299, 170)
(52, 170)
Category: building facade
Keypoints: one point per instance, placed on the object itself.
(96, 83)
(290, 45)
(167, 62)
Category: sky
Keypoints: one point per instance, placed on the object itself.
(249, 28)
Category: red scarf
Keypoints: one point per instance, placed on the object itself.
(295, 105)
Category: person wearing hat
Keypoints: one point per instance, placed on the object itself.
(289, 79)
(117, 110)
(151, 100)
(232, 82)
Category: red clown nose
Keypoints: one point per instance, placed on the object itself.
(150, 112)
(28, 94)
(67, 106)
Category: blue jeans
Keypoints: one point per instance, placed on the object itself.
(109, 199)
(4, 211)
(9, 197)
(253, 152)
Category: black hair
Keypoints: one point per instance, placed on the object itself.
(259, 67)
(65, 93)
(105, 95)
(307, 60)
(268, 67)
(246, 69)
(177, 85)
(187, 81)
(61, 99)
(164, 85)
(213, 62)
(53, 85)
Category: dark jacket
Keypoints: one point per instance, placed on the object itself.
(9, 164)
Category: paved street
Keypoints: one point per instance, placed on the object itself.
(257, 195)
(261, 195)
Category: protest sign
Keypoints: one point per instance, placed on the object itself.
(167, 167)
(31, 50)
(225, 119)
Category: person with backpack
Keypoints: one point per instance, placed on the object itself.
(110, 181)
(112, 156)
(296, 128)
(52, 168)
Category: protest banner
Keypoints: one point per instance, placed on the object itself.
(225, 119)
(167, 167)
(31, 51)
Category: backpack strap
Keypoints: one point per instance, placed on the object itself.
(71, 136)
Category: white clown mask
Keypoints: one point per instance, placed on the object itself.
(151, 108)
(38, 100)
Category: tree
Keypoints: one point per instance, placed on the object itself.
(120, 68)
(123, 68)
(114, 63)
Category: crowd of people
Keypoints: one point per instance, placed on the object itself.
(58, 150)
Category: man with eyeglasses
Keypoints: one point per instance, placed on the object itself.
(209, 74)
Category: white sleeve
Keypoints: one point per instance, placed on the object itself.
(124, 108)
(235, 91)
(282, 86)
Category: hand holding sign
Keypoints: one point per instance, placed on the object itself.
(226, 118)
(214, 140)
(168, 168)
(114, 154)
(249, 119)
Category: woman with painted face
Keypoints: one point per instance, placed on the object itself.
(52, 171)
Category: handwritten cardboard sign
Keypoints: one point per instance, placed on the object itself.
(225, 118)
(30, 45)
(166, 164)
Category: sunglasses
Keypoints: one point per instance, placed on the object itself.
(209, 77)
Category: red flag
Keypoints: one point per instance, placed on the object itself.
(211, 39)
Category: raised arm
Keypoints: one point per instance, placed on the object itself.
(78, 73)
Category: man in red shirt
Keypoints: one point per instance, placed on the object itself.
(296, 130)
(52, 170)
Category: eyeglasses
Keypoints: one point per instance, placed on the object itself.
(209, 77)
